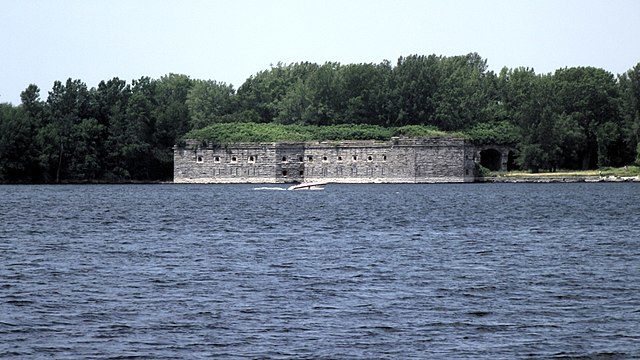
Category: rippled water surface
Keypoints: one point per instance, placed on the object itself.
(355, 271)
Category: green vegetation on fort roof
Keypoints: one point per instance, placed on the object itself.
(252, 132)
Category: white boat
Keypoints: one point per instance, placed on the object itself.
(308, 186)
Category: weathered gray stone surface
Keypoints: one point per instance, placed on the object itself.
(396, 161)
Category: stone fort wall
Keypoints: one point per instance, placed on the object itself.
(432, 160)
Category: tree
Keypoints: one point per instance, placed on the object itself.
(326, 93)
(110, 99)
(413, 85)
(32, 104)
(610, 145)
(461, 95)
(590, 96)
(521, 96)
(86, 162)
(135, 134)
(34, 109)
(295, 107)
(630, 109)
(170, 110)
(207, 101)
(263, 91)
(525, 100)
(365, 94)
(533, 157)
(66, 106)
(17, 158)
(569, 136)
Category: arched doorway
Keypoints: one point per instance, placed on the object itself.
(491, 159)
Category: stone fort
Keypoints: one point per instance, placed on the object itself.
(399, 160)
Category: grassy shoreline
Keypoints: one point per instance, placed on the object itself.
(631, 172)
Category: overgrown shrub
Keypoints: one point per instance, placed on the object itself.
(483, 171)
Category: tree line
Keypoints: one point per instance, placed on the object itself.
(573, 118)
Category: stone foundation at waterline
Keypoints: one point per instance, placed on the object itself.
(434, 160)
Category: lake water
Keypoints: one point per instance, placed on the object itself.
(355, 271)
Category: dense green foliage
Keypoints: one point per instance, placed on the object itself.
(574, 118)
(502, 132)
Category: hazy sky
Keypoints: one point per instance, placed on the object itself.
(44, 41)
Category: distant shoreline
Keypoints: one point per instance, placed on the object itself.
(87, 182)
(558, 179)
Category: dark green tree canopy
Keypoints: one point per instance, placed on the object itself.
(573, 118)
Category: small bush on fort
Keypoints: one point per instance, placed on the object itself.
(351, 132)
(419, 131)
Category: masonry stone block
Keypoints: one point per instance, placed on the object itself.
(396, 161)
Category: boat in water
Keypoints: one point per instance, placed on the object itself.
(308, 186)
(302, 186)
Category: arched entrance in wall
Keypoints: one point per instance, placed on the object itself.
(491, 159)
